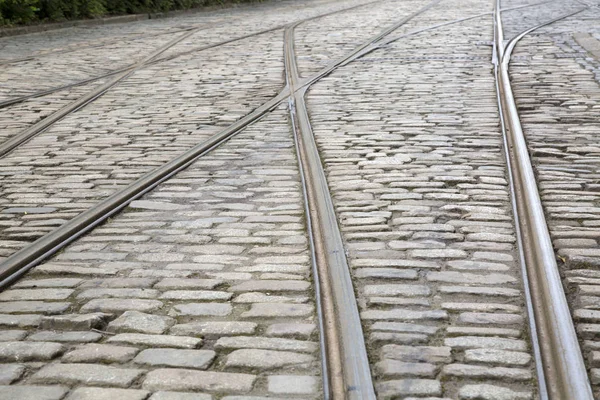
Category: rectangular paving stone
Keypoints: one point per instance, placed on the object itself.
(197, 359)
(156, 340)
(183, 379)
(41, 307)
(121, 305)
(100, 353)
(91, 393)
(31, 392)
(10, 373)
(86, 374)
(29, 351)
(35, 294)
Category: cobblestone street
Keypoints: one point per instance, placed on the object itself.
(311, 199)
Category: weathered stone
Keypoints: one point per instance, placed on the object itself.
(183, 342)
(100, 353)
(53, 336)
(266, 359)
(29, 351)
(491, 392)
(137, 322)
(179, 396)
(292, 384)
(201, 309)
(216, 328)
(10, 373)
(30, 392)
(428, 354)
(121, 305)
(74, 321)
(91, 393)
(86, 374)
(182, 379)
(406, 387)
(198, 359)
(268, 310)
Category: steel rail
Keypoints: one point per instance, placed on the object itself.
(347, 363)
(21, 99)
(23, 136)
(19, 262)
(321, 299)
(533, 330)
(561, 358)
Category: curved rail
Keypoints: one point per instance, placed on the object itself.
(21, 261)
(564, 371)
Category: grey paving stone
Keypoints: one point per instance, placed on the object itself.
(12, 336)
(41, 307)
(197, 359)
(29, 351)
(266, 359)
(100, 353)
(91, 393)
(87, 374)
(214, 328)
(183, 342)
(257, 342)
(74, 321)
(481, 372)
(291, 330)
(182, 379)
(35, 294)
(271, 286)
(10, 373)
(489, 392)
(31, 392)
(137, 322)
(178, 283)
(497, 357)
(292, 384)
(53, 336)
(20, 321)
(180, 396)
(406, 387)
(268, 310)
(121, 305)
(398, 368)
(201, 309)
(429, 354)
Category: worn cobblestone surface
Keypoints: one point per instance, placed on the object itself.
(202, 289)
(412, 150)
(559, 112)
(144, 121)
(203, 285)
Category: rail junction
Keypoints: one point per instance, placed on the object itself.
(314, 199)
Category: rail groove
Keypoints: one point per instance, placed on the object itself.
(563, 372)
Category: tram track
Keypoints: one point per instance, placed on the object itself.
(15, 140)
(26, 258)
(561, 369)
(21, 99)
